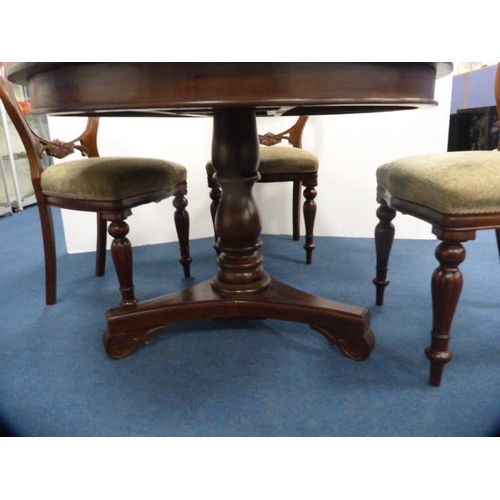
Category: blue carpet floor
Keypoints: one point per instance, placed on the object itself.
(244, 378)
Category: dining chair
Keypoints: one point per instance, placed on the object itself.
(284, 164)
(108, 186)
(458, 194)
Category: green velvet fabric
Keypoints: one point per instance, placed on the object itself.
(281, 159)
(111, 178)
(464, 182)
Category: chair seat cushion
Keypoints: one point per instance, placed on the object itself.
(463, 182)
(281, 159)
(111, 178)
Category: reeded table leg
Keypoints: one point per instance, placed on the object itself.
(242, 288)
(447, 283)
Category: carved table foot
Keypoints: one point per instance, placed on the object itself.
(120, 345)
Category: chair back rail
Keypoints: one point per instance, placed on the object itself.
(293, 134)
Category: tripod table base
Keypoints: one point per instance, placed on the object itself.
(344, 325)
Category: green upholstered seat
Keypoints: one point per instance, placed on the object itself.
(278, 159)
(463, 182)
(111, 178)
(281, 159)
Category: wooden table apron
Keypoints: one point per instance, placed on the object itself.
(234, 94)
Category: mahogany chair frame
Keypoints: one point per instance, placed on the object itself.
(112, 212)
(447, 279)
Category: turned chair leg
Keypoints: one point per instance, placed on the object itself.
(121, 250)
(309, 217)
(100, 257)
(447, 282)
(181, 218)
(215, 196)
(297, 188)
(49, 249)
(384, 237)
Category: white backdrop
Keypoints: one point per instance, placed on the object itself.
(349, 148)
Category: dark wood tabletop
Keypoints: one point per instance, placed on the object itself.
(285, 88)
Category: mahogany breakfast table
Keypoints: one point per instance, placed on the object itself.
(234, 94)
